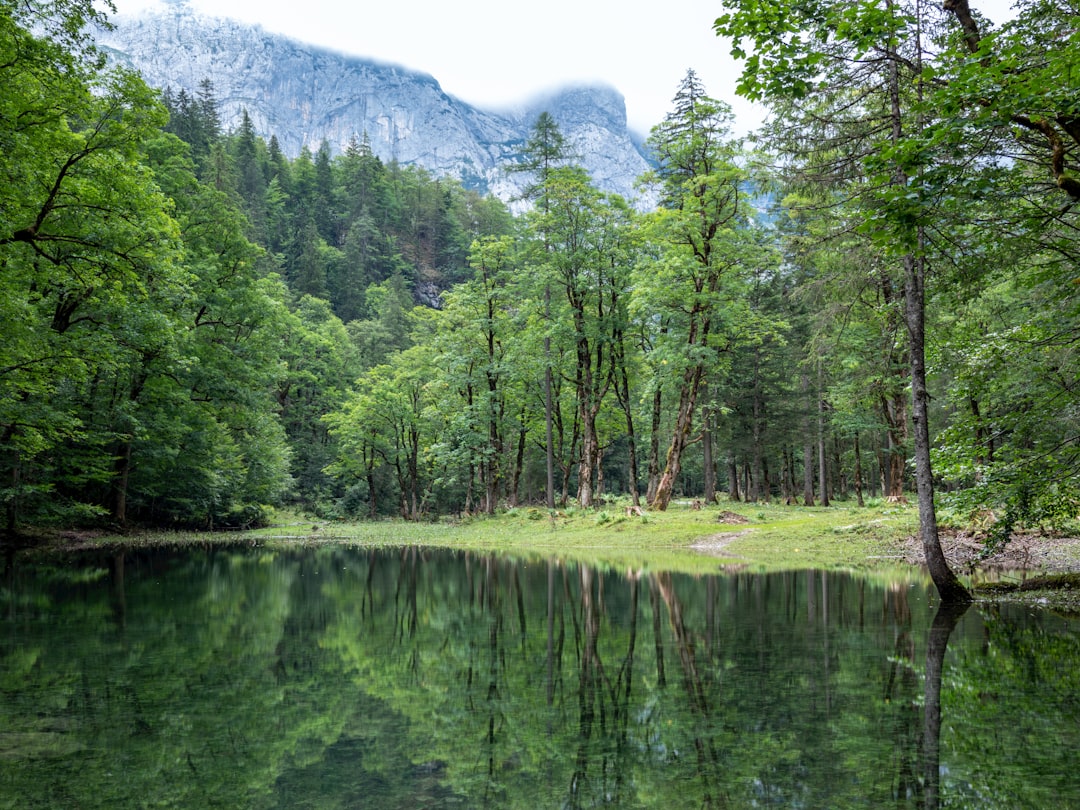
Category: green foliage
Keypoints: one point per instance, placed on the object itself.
(194, 326)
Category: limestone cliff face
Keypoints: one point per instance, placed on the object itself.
(304, 94)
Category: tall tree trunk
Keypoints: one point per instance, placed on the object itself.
(823, 467)
(896, 420)
(684, 418)
(11, 507)
(123, 453)
(654, 447)
(549, 443)
(858, 472)
(622, 393)
(707, 463)
(949, 587)
(733, 478)
(632, 451)
(519, 462)
(787, 476)
(600, 474)
(587, 465)
(838, 470)
(121, 476)
(808, 444)
(757, 430)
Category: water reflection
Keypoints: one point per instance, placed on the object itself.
(406, 678)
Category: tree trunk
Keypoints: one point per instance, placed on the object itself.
(121, 475)
(823, 468)
(587, 465)
(895, 411)
(757, 430)
(654, 447)
(684, 418)
(622, 392)
(808, 445)
(949, 587)
(707, 450)
(549, 443)
(11, 507)
(632, 450)
(733, 479)
(838, 470)
(858, 472)
(519, 462)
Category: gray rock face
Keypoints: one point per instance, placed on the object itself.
(304, 94)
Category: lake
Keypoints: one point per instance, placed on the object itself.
(339, 677)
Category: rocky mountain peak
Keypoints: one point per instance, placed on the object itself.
(305, 94)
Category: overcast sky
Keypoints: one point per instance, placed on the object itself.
(494, 53)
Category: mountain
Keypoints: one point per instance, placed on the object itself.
(304, 94)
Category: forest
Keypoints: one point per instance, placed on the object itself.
(874, 295)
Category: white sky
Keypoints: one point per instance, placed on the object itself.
(496, 53)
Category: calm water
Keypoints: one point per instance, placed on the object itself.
(339, 678)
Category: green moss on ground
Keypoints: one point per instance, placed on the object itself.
(683, 538)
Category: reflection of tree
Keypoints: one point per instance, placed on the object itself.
(948, 614)
(708, 763)
(347, 677)
(602, 700)
(658, 636)
(119, 600)
(900, 689)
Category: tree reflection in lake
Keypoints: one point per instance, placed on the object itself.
(405, 678)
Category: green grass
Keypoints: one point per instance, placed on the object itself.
(773, 537)
(724, 537)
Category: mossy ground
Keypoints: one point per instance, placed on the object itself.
(683, 538)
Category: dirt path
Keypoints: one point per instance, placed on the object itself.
(715, 544)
